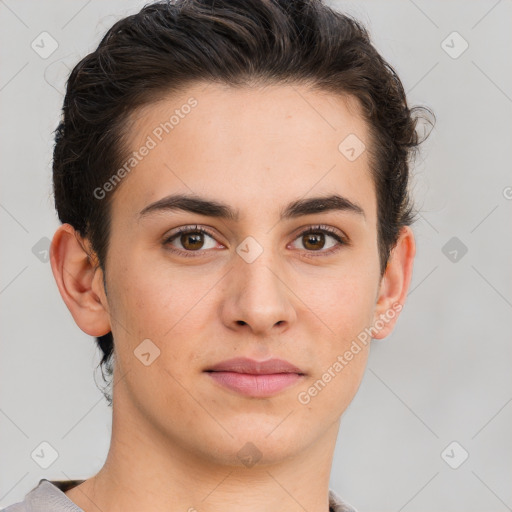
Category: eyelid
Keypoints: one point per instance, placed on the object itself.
(192, 228)
(341, 238)
(324, 228)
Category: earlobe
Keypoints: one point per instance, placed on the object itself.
(80, 281)
(395, 283)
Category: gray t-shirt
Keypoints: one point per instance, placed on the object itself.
(48, 496)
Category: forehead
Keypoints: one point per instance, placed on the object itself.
(253, 147)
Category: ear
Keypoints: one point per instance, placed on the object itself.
(80, 280)
(394, 284)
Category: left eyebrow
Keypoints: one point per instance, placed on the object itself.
(210, 208)
(314, 205)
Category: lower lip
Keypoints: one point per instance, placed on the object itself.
(255, 385)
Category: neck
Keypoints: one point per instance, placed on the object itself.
(147, 470)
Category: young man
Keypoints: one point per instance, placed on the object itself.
(232, 181)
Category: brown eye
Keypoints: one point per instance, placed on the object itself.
(318, 238)
(190, 240)
(313, 241)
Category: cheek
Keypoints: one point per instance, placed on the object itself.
(156, 300)
(346, 304)
(346, 307)
(150, 303)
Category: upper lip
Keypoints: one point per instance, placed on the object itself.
(251, 366)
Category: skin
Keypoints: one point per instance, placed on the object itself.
(176, 434)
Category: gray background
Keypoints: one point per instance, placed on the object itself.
(442, 376)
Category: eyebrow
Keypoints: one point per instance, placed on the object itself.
(212, 208)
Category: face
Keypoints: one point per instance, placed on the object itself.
(190, 286)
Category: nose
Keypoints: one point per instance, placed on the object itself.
(258, 298)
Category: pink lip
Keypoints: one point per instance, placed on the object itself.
(253, 378)
(246, 365)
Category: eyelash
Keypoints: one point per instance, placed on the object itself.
(341, 239)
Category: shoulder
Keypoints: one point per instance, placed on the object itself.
(17, 507)
(47, 496)
(337, 504)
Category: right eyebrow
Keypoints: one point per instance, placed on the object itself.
(192, 204)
